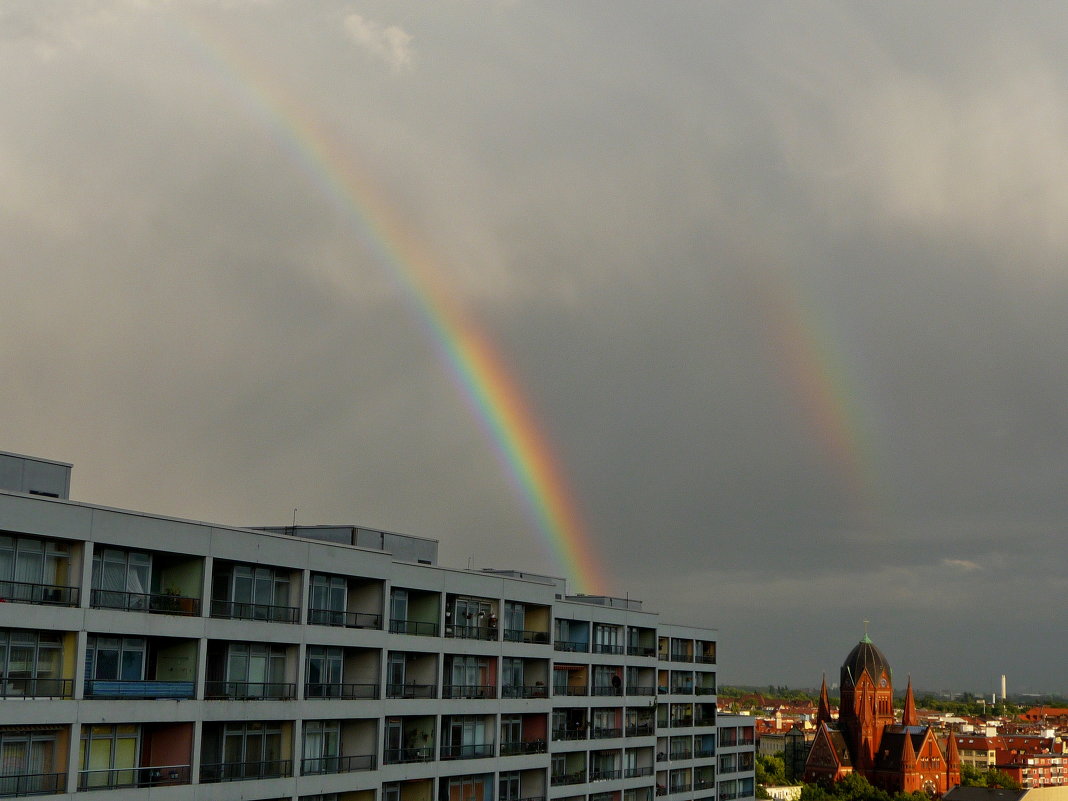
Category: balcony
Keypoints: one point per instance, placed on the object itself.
(36, 688)
(577, 777)
(239, 771)
(114, 778)
(637, 773)
(411, 691)
(237, 610)
(640, 730)
(109, 688)
(348, 620)
(418, 627)
(704, 753)
(680, 656)
(681, 753)
(704, 784)
(641, 690)
(564, 689)
(32, 784)
(609, 690)
(315, 766)
(468, 691)
(401, 756)
(475, 751)
(605, 775)
(640, 650)
(570, 734)
(704, 691)
(606, 648)
(681, 787)
(524, 691)
(605, 733)
(527, 636)
(160, 603)
(572, 646)
(249, 690)
(345, 692)
(487, 633)
(523, 747)
(24, 592)
(682, 690)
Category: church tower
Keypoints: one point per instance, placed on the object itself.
(867, 705)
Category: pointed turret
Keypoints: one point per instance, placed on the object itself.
(908, 754)
(909, 716)
(823, 715)
(953, 764)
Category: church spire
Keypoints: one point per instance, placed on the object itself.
(952, 754)
(823, 715)
(909, 716)
(908, 754)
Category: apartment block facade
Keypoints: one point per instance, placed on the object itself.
(152, 657)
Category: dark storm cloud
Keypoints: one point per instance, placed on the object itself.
(629, 198)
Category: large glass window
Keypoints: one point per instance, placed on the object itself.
(115, 658)
(251, 750)
(515, 615)
(322, 743)
(328, 599)
(324, 670)
(27, 762)
(122, 579)
(261, 588)
(31, 561)
(28, 655)
(508, 787)
(256, 669)
(109, 755)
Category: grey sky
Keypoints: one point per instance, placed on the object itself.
(670, 218)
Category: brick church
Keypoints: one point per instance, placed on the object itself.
(867, 739)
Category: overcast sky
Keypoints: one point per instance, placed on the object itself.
(785, 286)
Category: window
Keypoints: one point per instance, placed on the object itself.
(251, 750)
(512, 677)
(469, 676)
(322, 741)
(27, 762)
(515, 616)
(255, 670)
(248, 592)
(398, 605)
(30, 662)
(467, 788)
(115, 658)
(466, 736)
(324, 671)
(121, 579)
(508, 786)
(511, 729)
(607, 639)
(109, 755)
(27, 561)
(395, 669)
(328, 600)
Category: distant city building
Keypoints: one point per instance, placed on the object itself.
(867, 739)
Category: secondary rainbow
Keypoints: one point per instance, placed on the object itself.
(473, 362)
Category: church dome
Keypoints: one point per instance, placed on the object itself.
(864, 656)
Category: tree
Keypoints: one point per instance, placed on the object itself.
(971, 776)
(770, 771)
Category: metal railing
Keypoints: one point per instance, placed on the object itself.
(641, 690)
(578, 777)
(609, 690)
(681, 754)
(336, 764)
(704, 690)
(25, 592)
(681, 657)
(524, 691)
(572, 646)
(161, 603)
(468, 691)
(705, 659)
(400, 756)
(704, 784)
(488, 633)
(419, 627)
(640, 729)
(635, 773)
(607, 648)
(349, 620)
(114, 688)
(36, 688)
(343, 691)
(685, 690)
(238, 610)
(681, 787)
(111, 778)
(640, 650)
(570, 734)
(568, 689)
(681, 724)
(604, 733)
(32, 783)
(704, 753)
(411, 691)
(239, 771)
(523, 747)
(605, 775)
(526, 635)
(250, 690)
(475, 751)
(709, 720)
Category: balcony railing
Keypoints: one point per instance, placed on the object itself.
(703, 784)
(108, 688)
(569, 689)
(607, 648)
(238, 771)
(349, 620)
(605, 775)
(476, 751)
(411, 691)
(681, 753)
(641, 690)
(523, 747)
(468, 691)
(400, 756)
(640, 650)
(36, 688)
(577, 733)
(32, 783)
(604, 733)
(419, 627)
(238, 610)
(682, 690)
(704, 753)
(706, 720)
(343, 691)
(681, 787)
(578, 777)
(162, 603)
(640, 729)
(572, 646)
(112, 778)
(609, 690)
(677, 656)
(488, 633)
(337, 764)
(526, 635)
(637, 773)
(682, 724)
(704, 691)
(25, 592)
(249, 690)
(705, 659)
(524, 691)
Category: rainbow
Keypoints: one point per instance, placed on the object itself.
(474, 364)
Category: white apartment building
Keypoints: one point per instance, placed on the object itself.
(165, 659)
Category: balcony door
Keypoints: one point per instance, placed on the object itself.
(27, 763)
(255, 670)
(121, 579)
(110, 756)
(324, 671)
